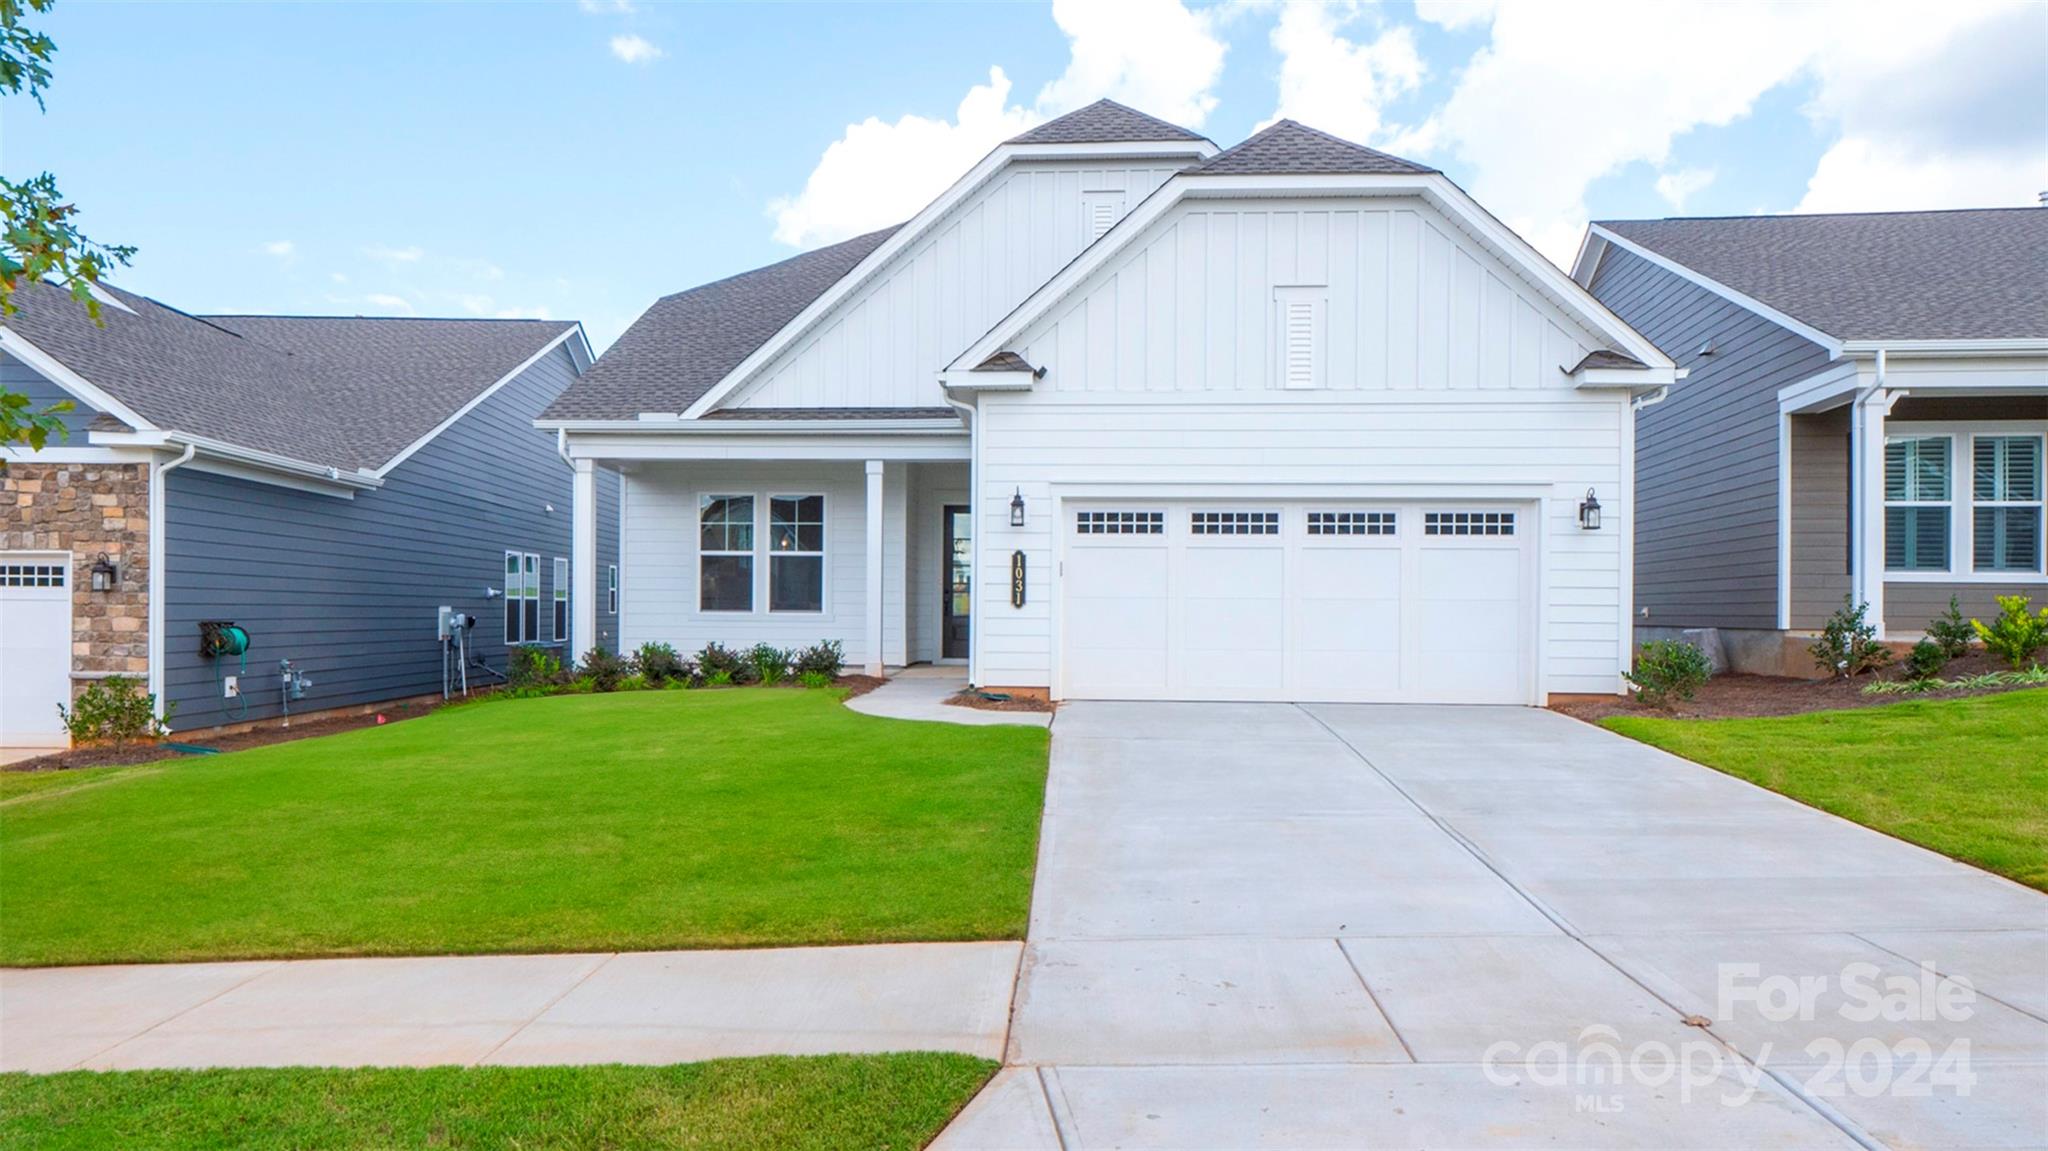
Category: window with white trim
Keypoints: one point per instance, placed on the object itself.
(1301, 321)
(1119, 523)
(612, 590)
(2006, 504)
(1234, 523)
(1351, 523)
(796, 553)
(522, 597)
(1918, 502)
(561, 594)
(725, 553)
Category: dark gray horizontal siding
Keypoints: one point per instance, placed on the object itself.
(21, 379)
(1706, 532)
(347, 589)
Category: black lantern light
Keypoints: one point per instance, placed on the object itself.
(1589, 512)
(104, 574)
(1017, 509)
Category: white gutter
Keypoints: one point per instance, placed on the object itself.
(699, 427)
(157, 535)
(249, 457)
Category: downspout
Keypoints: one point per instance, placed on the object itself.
(562, 447)
(158, 529)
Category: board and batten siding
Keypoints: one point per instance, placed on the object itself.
(347, 589)
(1706, 457)
(884, 345)
(21, 379)
(660, 546)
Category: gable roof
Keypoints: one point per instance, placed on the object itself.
(344, 392)
(1291, 148)
(1975, 274)
(686, 343)
(1103, 122)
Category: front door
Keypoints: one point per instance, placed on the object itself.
(957, 590)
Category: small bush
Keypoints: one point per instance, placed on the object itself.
(1666, 668)
(824, 659)
(604, 669)
(720, 678)
(814, 679)
(657, 663)
(2017, 633)
(770, 663)
(1926, 660)
(719, 664)
(1906, 686)
(1848, 643)
(534, 667)
(114, 710)
(1951, 632)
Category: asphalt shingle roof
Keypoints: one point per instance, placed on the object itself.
(1288, 148)
(1104, 122)
(347, 392)
(683, 345)
(1962, 275)
(1606, 358)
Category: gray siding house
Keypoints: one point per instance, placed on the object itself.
(1863, 416)
(326, 484)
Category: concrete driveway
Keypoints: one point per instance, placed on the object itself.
(1343, 926)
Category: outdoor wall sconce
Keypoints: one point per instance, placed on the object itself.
(1589, 512)
(104, 574)
(1017, 509)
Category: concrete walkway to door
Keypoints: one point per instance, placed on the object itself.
(1343, 926)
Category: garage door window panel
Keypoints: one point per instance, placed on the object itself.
(1120, 523)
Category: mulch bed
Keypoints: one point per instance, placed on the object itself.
(859, 684)
(107, 756)
(1740, 696)
(974, 699)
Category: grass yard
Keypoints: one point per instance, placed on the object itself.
(639, 820)
(823, 1102)
(1965, 777)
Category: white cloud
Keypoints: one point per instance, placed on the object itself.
(601, 7)
(1683, 184)
(635, 49)
(1154, 55)
(388, 302)
(386, 254)
(1333, 82)
(1455, 15)
(279, 248)
(338, 277)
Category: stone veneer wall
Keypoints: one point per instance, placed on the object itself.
(87, 509)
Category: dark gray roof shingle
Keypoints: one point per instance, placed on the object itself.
(1957, 275)
(683, 345)
(1606, 358)
(1005, 362)
(1104, 122)
(344, 392)
(1288, 148)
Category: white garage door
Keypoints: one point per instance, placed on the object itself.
(35, 647)
(1297, 601)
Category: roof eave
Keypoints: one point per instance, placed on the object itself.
(205, 447)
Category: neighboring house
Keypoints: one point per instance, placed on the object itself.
(1122, 416)
(1863, 417)
(325, 483)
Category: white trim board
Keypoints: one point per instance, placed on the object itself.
(54, 370)
(1801, 328)
(575, 330)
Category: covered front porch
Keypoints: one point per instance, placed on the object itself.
(1909, 476)
(785, 532)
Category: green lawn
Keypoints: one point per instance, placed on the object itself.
(1965, 777)
(632, 821)
(823, 1102)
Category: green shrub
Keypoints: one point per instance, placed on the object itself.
(1951, 632)
(1666, 668)
(770, 663)
(720, 678)
(814, 679)
(113, 710)
(825, 659)
(1848, 643)
(1926, 660)
(2017, 633)
(658, 663)
(534, 667)
(603, 668)
(720, 664)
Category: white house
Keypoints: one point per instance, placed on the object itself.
(1123, 416)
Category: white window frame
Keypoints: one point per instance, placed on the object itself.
(1962, 554)
(1287, 298)
(763, 540)
(558, 600)
(2039, 503)
(752, 553)
(526, 590)
(1950, 504)
(612, 590)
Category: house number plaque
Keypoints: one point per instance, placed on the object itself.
(1017, 579)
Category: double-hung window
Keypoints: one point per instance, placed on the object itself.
(561, 599)
(796, 553)
(522, 597)
(2006, 503)
(725, 559)
(612, 591)
(1918, 499)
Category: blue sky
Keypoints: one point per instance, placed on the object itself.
(579, 159)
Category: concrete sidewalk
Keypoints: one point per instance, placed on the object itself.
(634, 1007)
(921, 693)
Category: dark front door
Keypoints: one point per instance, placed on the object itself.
(958, 581)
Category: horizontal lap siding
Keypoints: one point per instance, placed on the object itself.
(347, 589)
(1910, 605)
(1820, 516)
(661, 554)
(21, 379)
(1707, 457)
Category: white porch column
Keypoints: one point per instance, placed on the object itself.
(583, 589)
(1867, 439)
(873, 654)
